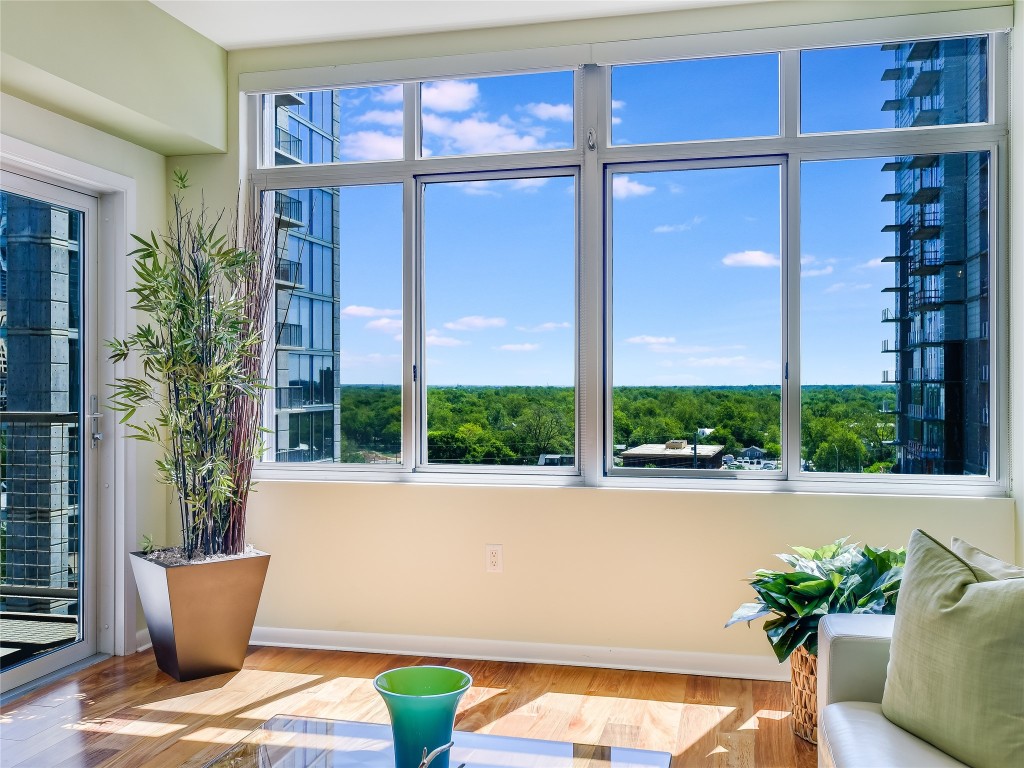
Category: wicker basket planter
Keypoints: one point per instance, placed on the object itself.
(804, 693)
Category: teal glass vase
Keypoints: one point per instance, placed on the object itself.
(422, 703)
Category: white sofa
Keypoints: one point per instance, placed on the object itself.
(853, 651)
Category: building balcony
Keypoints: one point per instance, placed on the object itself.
(923, 161)
(924, 83)
(922, 338)
(891, 346)
(892, 197)
(893, 257)
(892, 377)
(923, 301)
(289, 335)
(926, 117)
(288, 210)
(926, 412)
(925, 227)
(894, 73)
(287, 147)
(923, 50)
(933, 373)
(889, 316)
(924, 264)
(288, 100)
(288, 272)
(925, 195)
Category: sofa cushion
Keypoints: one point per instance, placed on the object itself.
(855, 734)
(956, 665)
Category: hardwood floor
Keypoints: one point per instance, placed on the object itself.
(125, 712)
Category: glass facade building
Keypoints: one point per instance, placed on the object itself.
(306, 420)
(941, 287)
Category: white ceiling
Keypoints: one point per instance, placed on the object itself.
(234, 24)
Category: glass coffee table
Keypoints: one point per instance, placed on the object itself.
(307, 742)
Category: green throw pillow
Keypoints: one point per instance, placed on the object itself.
(956, 667)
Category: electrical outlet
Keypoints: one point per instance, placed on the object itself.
(495, 562)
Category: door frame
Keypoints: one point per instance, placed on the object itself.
(115, 458)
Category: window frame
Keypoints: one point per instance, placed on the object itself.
(591, 161)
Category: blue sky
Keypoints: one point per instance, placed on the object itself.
(696, 253)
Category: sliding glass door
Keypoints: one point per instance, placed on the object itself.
(48, 428)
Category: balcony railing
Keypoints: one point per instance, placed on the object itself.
(289, 335)
(288, 271)
(932, 336)
(39, 508)
(932, 373)
(892, 377)
(288, 209)
(930, 412)
(922, 299)
(288, 143)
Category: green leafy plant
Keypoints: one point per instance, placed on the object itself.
(203, 349)
(837, 578)
(148, 547)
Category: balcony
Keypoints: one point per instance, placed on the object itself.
(920, 338)
(925, 227)
(39, 598)
(925, 195)
(923, 301)
(289, 335)
(288, 210)
(288, 100)
(288, 272)
(926, 412)
(892, 197)
(892, 377)
(933, 373)
(287, 146)
(923, 50)
(928, 263)
(889, 316)
(925, 83)
(926, 117)
(891, 346)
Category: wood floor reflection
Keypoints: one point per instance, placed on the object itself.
(125, 712)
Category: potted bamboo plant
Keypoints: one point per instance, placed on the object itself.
(836, 578)
(203, 348)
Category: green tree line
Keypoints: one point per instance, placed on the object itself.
(845, 428)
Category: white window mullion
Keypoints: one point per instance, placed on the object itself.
(791, 437)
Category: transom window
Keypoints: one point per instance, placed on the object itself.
(778, 267)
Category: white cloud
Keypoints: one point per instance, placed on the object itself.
(374, 358)
(354, 310)
(381, 116)
(518, 347)
(371, 145)
(675, 349)
(449, 95)
(847, 287)
(543, 327)
(751, 259)
(662, 229)
(475, 323)
(618, 104)
(817, 272)
(476, 136)
(623, 187)
(435, 339)
(527, 185)
(651, 340)
(389, 94)
(616, 120)
(386, 324)
(872, 263)
(479, 188)
(545, 111)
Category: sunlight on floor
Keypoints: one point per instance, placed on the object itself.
(243, 689)
(127, 727)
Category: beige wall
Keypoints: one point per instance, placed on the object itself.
(623, 568)
(603, 567)
(126, 68)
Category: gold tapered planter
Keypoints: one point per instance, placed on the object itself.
(200, 616)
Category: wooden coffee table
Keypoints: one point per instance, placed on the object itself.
(306, 742)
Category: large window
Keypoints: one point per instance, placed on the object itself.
(774, 266)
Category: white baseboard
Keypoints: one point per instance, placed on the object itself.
(681, 662)
(142, 641)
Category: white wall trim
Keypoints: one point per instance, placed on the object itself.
(643, 659)
(142, 640)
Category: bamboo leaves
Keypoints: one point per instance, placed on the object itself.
(202, 352)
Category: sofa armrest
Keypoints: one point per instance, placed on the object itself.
(853, 652)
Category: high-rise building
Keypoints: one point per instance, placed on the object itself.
(306, 412)
(941, 311)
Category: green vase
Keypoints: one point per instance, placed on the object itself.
(422, 702)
